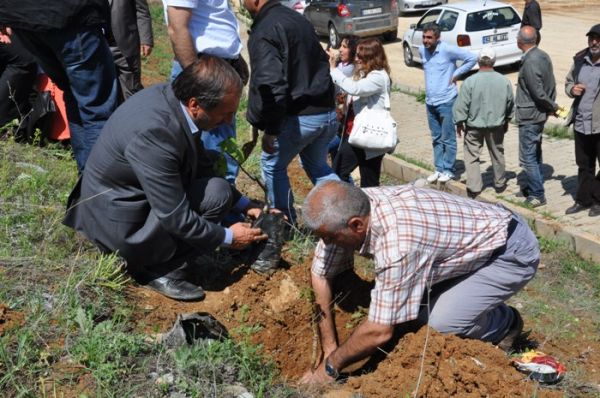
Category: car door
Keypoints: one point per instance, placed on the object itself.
(417, 35)
(314, 13)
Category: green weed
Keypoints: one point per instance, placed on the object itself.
(416, 162)
(558, 131)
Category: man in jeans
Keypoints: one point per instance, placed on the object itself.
(67, 41)
(439, 63)
(536, 92)
(291, 98)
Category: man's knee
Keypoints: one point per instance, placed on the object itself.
(211, 197)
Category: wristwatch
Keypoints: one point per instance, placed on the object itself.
(330, 370)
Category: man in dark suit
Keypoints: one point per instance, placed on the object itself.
(536, 93)
(149, 191)
(131, 27)
(532, 16)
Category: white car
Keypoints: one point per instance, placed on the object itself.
(470, 25)
(296, 5)
(405, 6)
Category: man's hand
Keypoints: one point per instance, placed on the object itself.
(459, 129)
(268, 143)
(145, 50)
(319, 376)
(578, 89)
(453, 80)
(244, 235)
(5, 33)
(505, 126)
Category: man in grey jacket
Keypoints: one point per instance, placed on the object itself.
(583, 84)
(536, 93)
(149, 191)
(482, 110)
(131, 38)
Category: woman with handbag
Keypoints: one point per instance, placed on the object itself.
(368, 91)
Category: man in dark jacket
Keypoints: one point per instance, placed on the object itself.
(532, 16)
(291, 97)
(149, 190)
(131, 38)
(536, 93)
(583, 84)
(65, 37)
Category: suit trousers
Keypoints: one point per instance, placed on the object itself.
(494, 140)
(473, 305)
(587, 153)
(129, 74)
(211, 198)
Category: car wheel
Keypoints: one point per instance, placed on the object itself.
(334, 37)
(408, 57)
(391, 35)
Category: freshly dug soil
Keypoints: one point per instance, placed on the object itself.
(9, 319)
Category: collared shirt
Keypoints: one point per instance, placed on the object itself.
(440, 68)
(213, 26)
(589, 75)
(241, 204)
(418, 237)
(485, 100)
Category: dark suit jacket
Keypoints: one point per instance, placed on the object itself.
(132, 197)
(536, 88)
(532, 15)
(131, 25)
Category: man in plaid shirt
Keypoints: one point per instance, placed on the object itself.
(468, 257)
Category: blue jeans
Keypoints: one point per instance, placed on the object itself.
(79, 61)
(307, 135)
(211, 139)
(443, 136)
(530, 158)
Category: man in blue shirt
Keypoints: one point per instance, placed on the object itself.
(439, 63)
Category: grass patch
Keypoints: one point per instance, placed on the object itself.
(558, 131)
(416, 162)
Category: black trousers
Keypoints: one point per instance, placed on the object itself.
(587, 152)
(17, 80)
(349, 157)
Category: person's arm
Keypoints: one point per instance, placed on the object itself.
(179, 33)
(371, 84)
(534, 81)
(362, 343)
(510, 105)
(326, 320)
(458, 54)
(144, 24)
(460, 111)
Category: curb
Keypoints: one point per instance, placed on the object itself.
(584, 244)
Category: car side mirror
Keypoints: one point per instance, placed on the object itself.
(413, 26)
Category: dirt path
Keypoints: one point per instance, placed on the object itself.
(563, 34)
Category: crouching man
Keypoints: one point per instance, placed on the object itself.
(149, 190)
(473, 256)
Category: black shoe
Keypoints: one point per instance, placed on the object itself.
(576, 208)
(507, 342)
(176, 289)
(594, 211)
(500, 189)
(472, 194)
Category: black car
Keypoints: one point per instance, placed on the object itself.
(353, 17)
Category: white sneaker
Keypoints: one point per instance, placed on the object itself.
(434, 177)
(445, 177)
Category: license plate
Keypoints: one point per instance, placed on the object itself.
(372, 11)
(495, 38)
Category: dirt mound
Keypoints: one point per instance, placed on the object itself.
(9, 319)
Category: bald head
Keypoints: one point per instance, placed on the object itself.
(331, 204)
(527, 36)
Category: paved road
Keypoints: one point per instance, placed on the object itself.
(560, 170)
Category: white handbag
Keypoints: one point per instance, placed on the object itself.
(375, 129)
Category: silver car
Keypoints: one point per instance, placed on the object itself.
(336, 18)
(406, 6)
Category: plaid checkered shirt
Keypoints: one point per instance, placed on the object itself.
(418, 237)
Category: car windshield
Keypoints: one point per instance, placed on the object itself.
(491, 19)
